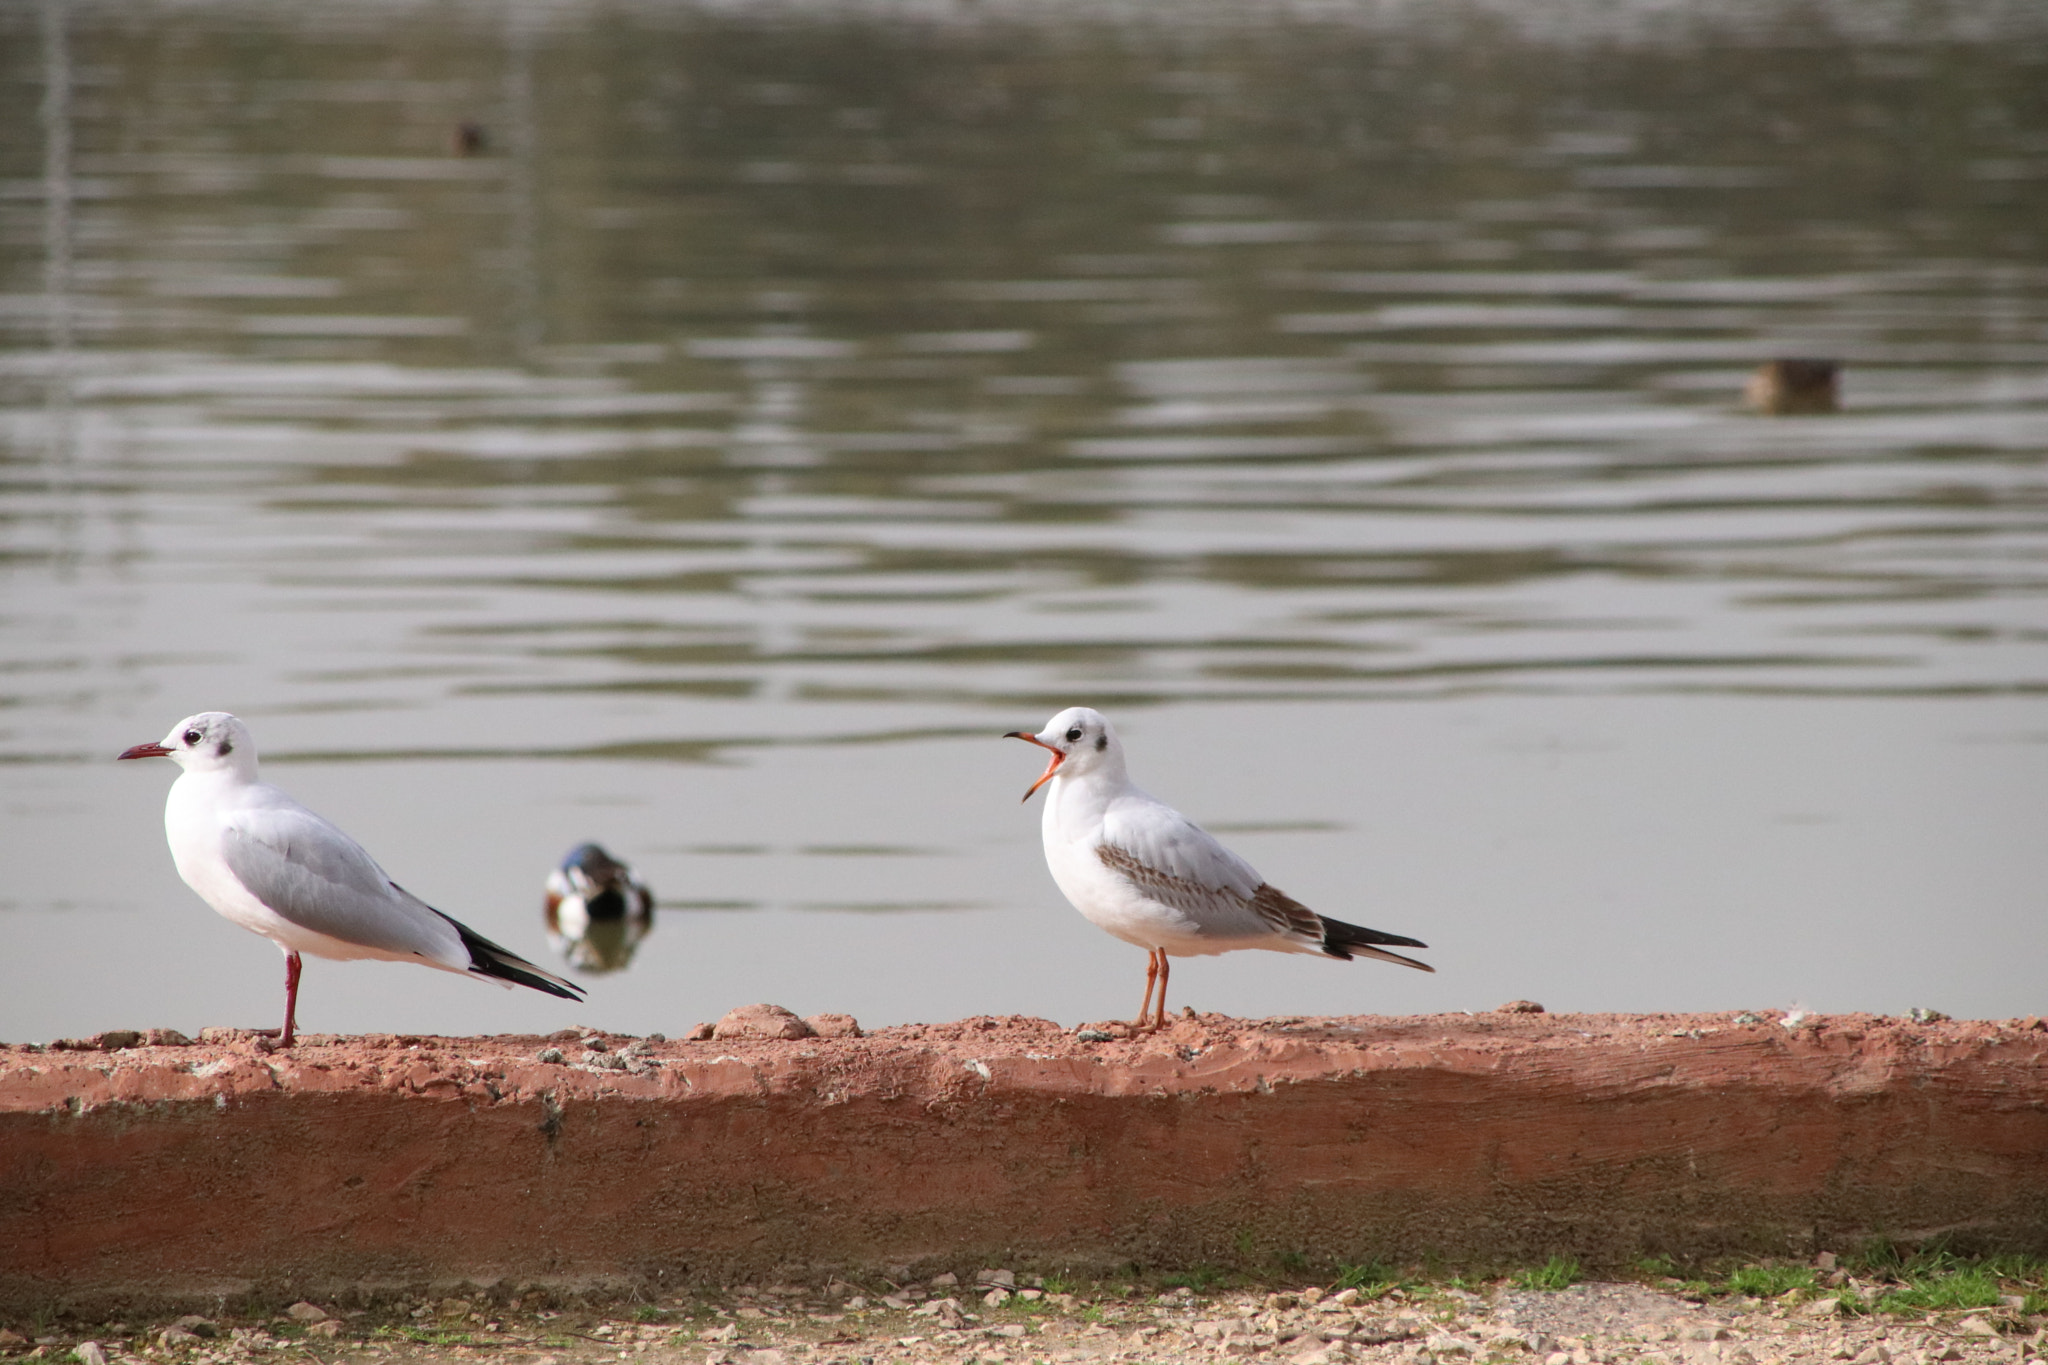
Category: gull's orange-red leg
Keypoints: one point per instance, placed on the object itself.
(292, 966)
(1151, 975)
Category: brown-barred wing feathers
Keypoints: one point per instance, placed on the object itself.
(1287, 915)
(1182, 893)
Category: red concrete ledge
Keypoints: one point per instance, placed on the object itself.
(185, 1172)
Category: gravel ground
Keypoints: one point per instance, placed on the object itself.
(1000, 1317)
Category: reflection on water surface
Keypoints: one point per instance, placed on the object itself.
(814, 392)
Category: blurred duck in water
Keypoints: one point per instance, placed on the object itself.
(597, 913)
(1792, 388)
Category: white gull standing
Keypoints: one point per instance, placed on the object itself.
(1144, 872)
(267, 863)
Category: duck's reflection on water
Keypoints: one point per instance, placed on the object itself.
(597, 912)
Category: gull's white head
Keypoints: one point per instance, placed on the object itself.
(1082, 742)
(212, 741)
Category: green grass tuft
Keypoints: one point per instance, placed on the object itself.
(1374, 1278)
(1967, 1287)
(1770, 1281)
(424, 1336)
(1559, 1272)
(1935, 1279)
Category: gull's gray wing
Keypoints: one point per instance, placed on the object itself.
(1174, 847)
(1177, 863)
(317, 877)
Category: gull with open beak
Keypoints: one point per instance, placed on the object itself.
(1141, 870)
(267, 863)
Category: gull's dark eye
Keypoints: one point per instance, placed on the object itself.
(1073, 734)
(193, 736)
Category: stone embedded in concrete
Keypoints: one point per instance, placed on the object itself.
(760, 1021)
(197, 1171)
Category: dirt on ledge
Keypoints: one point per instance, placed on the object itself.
(995, 1317)
(228, 1167)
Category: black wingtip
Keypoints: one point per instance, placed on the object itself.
(521, 972)
(1352, 951)
(1350, 940)
(1336, 932)
(488, 959)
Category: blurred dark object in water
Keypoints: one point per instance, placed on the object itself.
(596, 912)
(1785, 388)
(470, 139)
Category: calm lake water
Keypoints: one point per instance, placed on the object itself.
(780, 402)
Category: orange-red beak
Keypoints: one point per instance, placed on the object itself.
(1050, 768)
(151, 750)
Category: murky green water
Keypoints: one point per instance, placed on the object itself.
(785, 401)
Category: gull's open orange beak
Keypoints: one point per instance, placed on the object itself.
(1050, 768)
